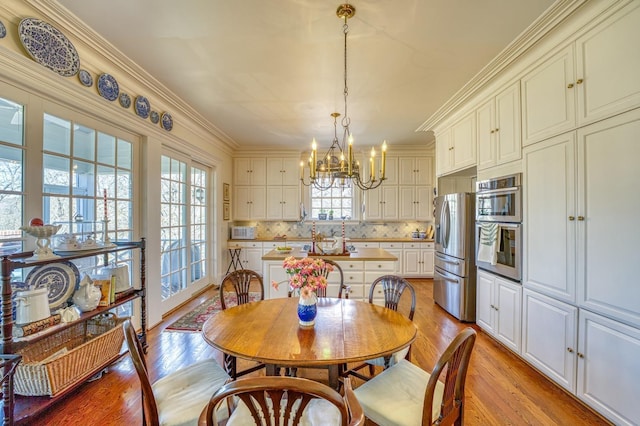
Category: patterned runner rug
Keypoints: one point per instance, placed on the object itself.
(192, 321)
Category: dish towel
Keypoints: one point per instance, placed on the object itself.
(487, 249)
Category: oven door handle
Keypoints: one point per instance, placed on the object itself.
(498, 191)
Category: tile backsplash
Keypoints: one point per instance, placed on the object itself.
(351, 229)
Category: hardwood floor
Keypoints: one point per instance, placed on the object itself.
(501, 389)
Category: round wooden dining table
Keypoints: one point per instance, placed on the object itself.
(345, 331)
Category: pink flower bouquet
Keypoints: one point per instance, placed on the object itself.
(306, 274)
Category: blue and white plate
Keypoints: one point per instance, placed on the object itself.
(3, 30)
(49, 47)
(166, 121)
(108, 87)
(85, 78)
(60, 279)
(154, 117)
(125, 100)
(142, 106)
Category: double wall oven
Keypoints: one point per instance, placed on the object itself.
(499, 202)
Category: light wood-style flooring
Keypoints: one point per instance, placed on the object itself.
(501, 388)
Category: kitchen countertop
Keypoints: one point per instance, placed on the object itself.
(367, 254)
(352, 240)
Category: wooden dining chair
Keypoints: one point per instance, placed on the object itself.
(179, 397)
(273, 400)
(393, 287)
(247, 286)
(326, 272)
(406, 395)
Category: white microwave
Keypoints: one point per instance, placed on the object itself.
(243, 233)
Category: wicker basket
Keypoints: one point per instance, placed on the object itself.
(83, 348)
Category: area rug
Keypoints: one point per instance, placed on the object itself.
(193, 320)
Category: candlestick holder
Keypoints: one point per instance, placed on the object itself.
(105, 238)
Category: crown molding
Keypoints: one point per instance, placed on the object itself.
(550, 19)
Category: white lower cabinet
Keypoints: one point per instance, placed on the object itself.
(549, 337)
(498, 308)
(353, 272)
(609, 367)
(417, 259)
(251, 256)
(373, 271)
(396, 250)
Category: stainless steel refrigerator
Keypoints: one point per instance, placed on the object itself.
(454, 282)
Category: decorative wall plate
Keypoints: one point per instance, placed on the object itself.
(49, 47)
(108, 87)
(142, 106)
(166, 121)
(3, 30)
(155, 117)
(59, 278)
(85, 78)
(125, 100)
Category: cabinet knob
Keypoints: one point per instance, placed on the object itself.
(572, 218)
(580, 217)
(579, 81)
(493, 131)
(580, 355)
(497, 130)
(570, 86)
(570, 350)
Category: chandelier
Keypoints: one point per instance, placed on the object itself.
(338, 164)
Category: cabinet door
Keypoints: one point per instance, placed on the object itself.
(485, 309)
(608, 62)
(608, 202)
(290, 203)
(549, 337)
(424, 202)
(463, 142)
(443, 152)
(411, 262)
(550, 217)
(485, 116)
(275, 272)
(241, 202)
(427, 265)
(390, 203)
(548, 98)
(373, 204)
(424, 171)
(508, 301)
(407, 202)
(608, 377)
(290, 171)
(507, 131)
(249, 171)
(406, 171)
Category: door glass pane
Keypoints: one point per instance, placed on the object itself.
(56, 179)
(83, 178)
(106, 149)
(56, 135)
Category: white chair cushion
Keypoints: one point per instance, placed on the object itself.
(318, 412)
(395, 397)
(394, 358)
(182, 395)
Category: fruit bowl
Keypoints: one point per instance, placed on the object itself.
(284, 249)
(42, 235)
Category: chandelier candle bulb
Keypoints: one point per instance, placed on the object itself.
(384, 158)
(350, 156)
(301, 170)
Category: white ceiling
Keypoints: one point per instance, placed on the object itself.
(270, 72)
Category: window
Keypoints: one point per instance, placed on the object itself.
(183, 212)
(336, 202)
(11, 175)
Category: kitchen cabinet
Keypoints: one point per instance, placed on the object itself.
(592, 356)
(415, 171)
(283, 171)
(353, 271)
(456, 146)
(598, 73)
(372, 271)
(499, 308)
(396, 250)
(249, 203)
(577, 185)
(249, 171)
(382, 203)
(549, 337)
(608, 346)
(283, 203)
(417, 259)
(415, 202)
(251, 255)
(498, 127)
(27, 407)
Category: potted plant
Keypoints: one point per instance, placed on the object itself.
(330, 214)
(416, 234)
(322, 215)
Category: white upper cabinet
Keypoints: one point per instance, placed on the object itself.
(415, 171)
(249, 171)
(456, 146)
(598, 73)
(382, 203)
(249, 203)
(608, 63)
(283, 171)
(498, 127)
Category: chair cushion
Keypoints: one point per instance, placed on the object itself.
(183, 394)
(318, 412)
(394, 358)
(396, 396)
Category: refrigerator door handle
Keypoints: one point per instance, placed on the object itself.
(446, 225)
(440, 257)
